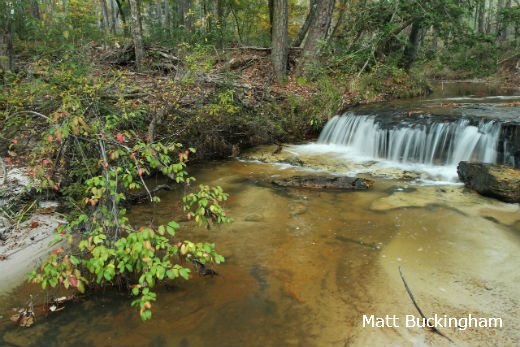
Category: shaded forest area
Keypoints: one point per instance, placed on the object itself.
(97, 95)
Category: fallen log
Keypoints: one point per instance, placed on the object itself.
(325, 182)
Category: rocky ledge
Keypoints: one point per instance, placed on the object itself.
(325, 182)
(498, 181)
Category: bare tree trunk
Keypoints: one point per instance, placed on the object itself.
(114, 18)
(180, 11)
(6, 52)
(317, 32)
(500, 5)
(411, 49)
(280, 39)
(168, 19)
(35, 9)
(159, 13)
(489, 17)
(104, 11)
(137, 32)
(123, 18)
(270, 4)
(220, 23)
(202, 14)
(313, 4)
(481, 15)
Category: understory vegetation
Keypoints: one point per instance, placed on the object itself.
(98, 95)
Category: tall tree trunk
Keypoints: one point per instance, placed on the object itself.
(137, 32)
(168, 19)
(481, 15)
(123, 17)
(104, 11)
(159, 14)
(280, 39)
(270, 4)
(113, 23)
(313, 4)
(317, 32)
(340, 20)
(220, 23)
(489, 17)
(35, 9)
(500, 5)
(411, 49)
(202, 13)
(6, 51)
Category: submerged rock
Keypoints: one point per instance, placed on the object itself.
(328, 182)
(498, 181)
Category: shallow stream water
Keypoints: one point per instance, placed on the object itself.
(304, 266)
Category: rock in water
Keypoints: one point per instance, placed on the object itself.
(325, 182)
(497, 181)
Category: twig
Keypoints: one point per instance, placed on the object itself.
(431, 328)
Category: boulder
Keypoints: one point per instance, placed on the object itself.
(498, 181)
(324, 182)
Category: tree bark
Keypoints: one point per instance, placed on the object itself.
(481, 15)
(35, 9)
(280, 40)
(168, 19)
(123, 17)
(114, 17)
(104, 10)
(159, 13)
(137, 32)
(313, 4)
(411, 49)
(6, 52)
(489, 17)
(317, 33)
(500, 5)
(270, 4)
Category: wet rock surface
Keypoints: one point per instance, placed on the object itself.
(324, 182)
(498, 181)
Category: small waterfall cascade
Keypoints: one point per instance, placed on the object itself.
(430, 142)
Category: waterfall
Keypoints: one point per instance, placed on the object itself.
(431, 142)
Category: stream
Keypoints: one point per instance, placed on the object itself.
(303, 266)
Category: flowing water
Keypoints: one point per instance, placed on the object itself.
(304, 266)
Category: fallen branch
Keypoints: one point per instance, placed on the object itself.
(143, 195)
(431, 328)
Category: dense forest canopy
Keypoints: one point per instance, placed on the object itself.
(358, 34)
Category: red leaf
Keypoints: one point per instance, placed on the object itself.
(120, 137)
(34, 224)
(73, 281)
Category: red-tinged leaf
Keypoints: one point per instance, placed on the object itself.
(73, 281)
(15, 141)
(140, 172)
(54, 251)
(56, 188)
(120, 138)
(50, 138)
(141, 229)
(8, 160)
(34, 224)
(146, 259)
